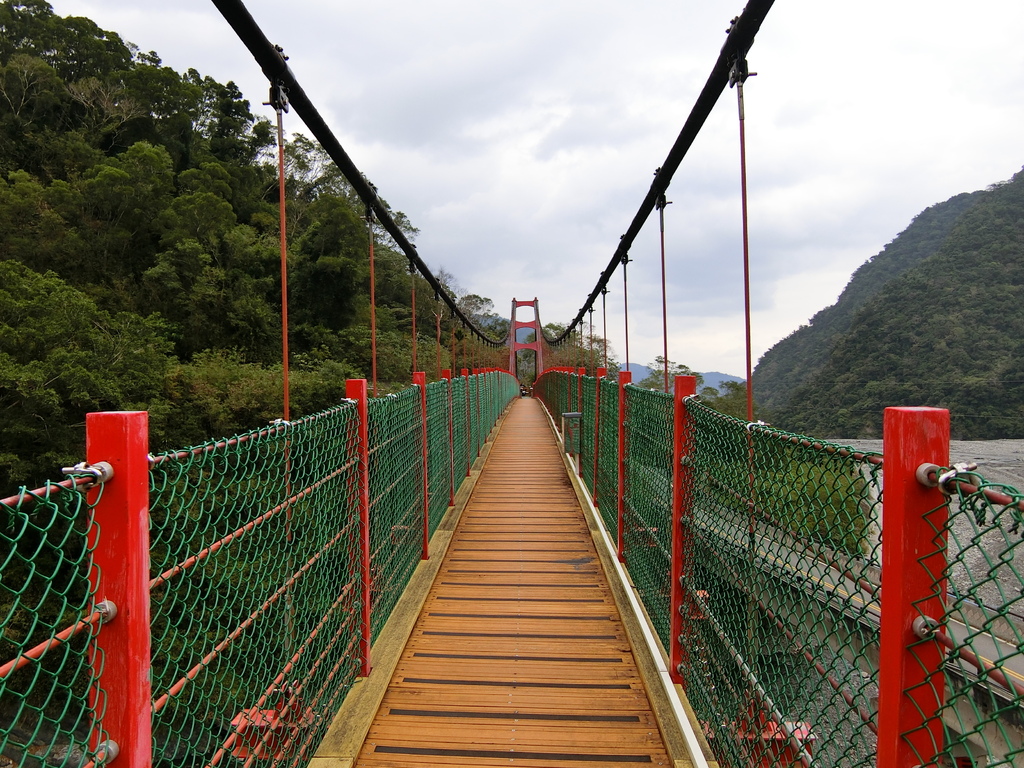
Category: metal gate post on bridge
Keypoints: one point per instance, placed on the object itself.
(911, 682)
(355, 389)
(681, 603)
(625, 377)
(119, 542)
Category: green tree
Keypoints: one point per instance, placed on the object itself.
(656, 378)
(60, 357)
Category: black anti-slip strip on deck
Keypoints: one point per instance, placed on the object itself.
(520, 570)
(518, 616)
(514, 684)
(510, 754)
(525, 599)
(525, 573)
(518, 716)
(572, 660)
(521, 634)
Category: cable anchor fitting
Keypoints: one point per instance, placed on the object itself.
(740, 71)
(100, 472)
(278, 91)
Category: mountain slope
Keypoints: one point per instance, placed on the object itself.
(947, 332)
(799, 356)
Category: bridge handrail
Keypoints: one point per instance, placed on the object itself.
(254, 559)
(764, 584)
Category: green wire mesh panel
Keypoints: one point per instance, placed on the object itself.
(572, 404)
(255, 596)
(45, 713)
(396, 499)
(439, 453)
(980, 695)
(780, 593)
(608, 456)
(475, 441)
(460, 429)
(587, 423)
(647, 512)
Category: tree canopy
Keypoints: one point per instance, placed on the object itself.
(930, 321)
(139, 242)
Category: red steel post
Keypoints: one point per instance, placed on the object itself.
(625, 377)
(419, 379)
(681, 602)
(119, 541)
(911, 684)
(355, 389)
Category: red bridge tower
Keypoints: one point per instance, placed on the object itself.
(537, 345)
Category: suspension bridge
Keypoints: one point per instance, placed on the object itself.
(457, 574)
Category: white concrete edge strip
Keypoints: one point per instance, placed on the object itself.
(653, 644)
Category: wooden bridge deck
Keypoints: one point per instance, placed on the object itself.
(519, 655)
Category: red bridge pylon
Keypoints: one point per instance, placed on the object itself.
(537, 345)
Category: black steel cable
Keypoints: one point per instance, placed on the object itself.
(274, 65)
(741, 37)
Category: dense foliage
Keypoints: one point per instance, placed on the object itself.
(139, 254)
(931, 320)
(799, 356)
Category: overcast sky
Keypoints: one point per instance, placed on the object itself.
(520, 137)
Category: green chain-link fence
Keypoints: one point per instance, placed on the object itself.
(256, 585)
(647, 512)
(48, 694)
(979, 697)
(439, 449)
(255, 598)
(780, 589)
(396, 499)
(460, 429)
(588, 424)
(608, 455)
(780, 616)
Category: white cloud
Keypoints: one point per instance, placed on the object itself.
(521, 136)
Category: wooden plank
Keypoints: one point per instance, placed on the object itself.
(519, 656)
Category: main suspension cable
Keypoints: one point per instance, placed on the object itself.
(273, 62)
(739, 40)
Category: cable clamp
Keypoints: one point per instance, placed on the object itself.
(107, 610)
(100, 472)
(925, 627)
(933, 476)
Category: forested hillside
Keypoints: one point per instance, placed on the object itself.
(139, 254)
(932, 320)
(801, 355)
